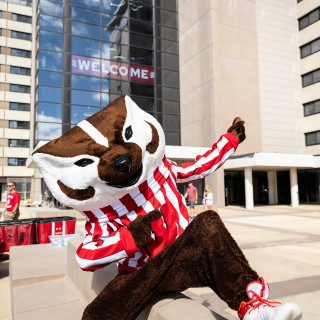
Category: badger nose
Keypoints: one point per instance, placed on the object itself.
(124, 164)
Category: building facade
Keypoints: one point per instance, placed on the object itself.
(15, 95)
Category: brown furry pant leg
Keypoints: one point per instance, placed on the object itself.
(204, 255)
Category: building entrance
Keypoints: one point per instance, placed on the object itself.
(234, 188)
(260, 187)
(283, 182)
(309, 186)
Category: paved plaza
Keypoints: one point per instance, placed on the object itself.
(281, 243)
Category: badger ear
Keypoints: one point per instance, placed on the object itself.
(154, 144)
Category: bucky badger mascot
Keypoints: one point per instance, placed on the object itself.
(112, 167)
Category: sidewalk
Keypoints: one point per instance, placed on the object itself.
(281, 243)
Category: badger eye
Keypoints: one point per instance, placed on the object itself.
(83, 162)
(128, 133)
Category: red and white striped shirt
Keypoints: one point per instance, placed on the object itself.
(107, 238)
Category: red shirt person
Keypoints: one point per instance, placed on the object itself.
(12, 210)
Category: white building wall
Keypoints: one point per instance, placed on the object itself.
(279, 76)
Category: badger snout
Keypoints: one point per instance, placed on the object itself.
(124, 164)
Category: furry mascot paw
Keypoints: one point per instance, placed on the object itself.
(238, 129)
(140, 228)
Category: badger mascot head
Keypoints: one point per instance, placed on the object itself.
(102, 158)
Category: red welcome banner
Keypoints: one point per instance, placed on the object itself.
(112, 69)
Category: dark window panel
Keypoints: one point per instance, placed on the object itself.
(48, 131)
(50, 60)
(169, 122)
(50, 40)
(147, 2)
(314, 16)
(317, 106)
(18, 143)
(305, 51)
(19, 88)
(167, 61)
(316, 76)
(86, 47)
(172, 138)
(168, 107)
(311, 139)
(141, 27)
(309, 109)
(145, 104)
(167, 18)
(21, 35)
(85, 30)
(307, 79)
(87, 98)
(79, 113)
(21, 53)
(20, 70)
(17, 161)
(115, 52)
(141, 41)
(167, 46)
(50, 78)
(85, 83)
(21, 18)
(51, 23)
(142, 89)
(141, 56)
(19, 106)
(86, 15)
(19, 124)
(315, 46)
(49, 112)
(167, 33)
(50, 94)
(52, 8)
(141, 12)
(168, 93)
(310, 18)
(167, 4)
(116, 36)
(168, 78)
(115, 86)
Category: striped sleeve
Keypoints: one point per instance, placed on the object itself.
(92, 255)
(208, 162)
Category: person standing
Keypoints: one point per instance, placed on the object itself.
(12, 210)
(207, 198)
(192, 194)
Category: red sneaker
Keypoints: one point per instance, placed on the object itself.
(259, 308)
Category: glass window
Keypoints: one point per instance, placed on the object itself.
(141, 27)
(141, 41)
(141, 56)
(142, 89)
(18, 143)
(19, 106)
(19, 124)
(17, 161)
(19, 88)
(52, 8)
(117, 36)
(21, 18)
(113, 6)
(168, 61)
(145, 104)
(79, 113)
(141, 12)
(168, 33)
(309, 109)
(105, 99)
(91, 4)
(86, 83)
(85, 98)
(169, 93)
(50, 94)
(305, 51)
(168, 4)
(21, 35)
(303, 22)
(20, 70)
(317, 106)
(115, 52)
(116, 86)
(167, 45)
(168, 107)
(311, 138)
(50, 78)
(50, 60)
(314, 16)
(307, 79)
(168, 78)
(51, 23)
(48, 131)
(315, 46)
(316, 76)
(85, 15)
(49, 112)
(167, 18)
(21, 53)
(85, 30)
(172, 138)
(170, 122)
(86, 47)
(51, 40)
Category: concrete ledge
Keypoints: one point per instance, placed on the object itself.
(65, 297)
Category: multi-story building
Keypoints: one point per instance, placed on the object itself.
(15, 95)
